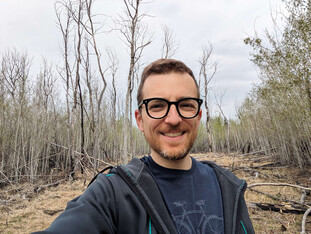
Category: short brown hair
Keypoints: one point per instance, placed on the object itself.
(164, 66)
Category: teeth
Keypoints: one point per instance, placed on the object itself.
(173, 134)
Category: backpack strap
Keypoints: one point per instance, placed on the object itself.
(137, 176)
(139, 179)
(102, 171)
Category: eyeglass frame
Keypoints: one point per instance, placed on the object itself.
(147, 100)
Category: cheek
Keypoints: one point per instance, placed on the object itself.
(151, 126)
(193, 123)
(195, 127)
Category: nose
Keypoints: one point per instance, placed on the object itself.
(173, 117)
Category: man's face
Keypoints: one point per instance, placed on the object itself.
(171, 137)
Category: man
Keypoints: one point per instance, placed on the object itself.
(167, 191)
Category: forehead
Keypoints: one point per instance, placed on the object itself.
(170, 86)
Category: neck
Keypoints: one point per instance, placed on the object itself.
(181, 164)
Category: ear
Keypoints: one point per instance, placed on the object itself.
(139, 120)
(200, 115)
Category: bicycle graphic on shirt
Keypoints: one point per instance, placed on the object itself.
(210, 224)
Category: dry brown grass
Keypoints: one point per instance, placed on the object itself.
(26, 211)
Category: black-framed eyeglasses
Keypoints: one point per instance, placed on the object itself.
(158, 108)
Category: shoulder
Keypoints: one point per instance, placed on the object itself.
(204, 167)
(223, 174)
(96, 207)
(101, 189)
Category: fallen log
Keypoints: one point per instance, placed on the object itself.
(276, 198)
(304, 220)
(37, 189)
(283, 208)
(52, 212)
(279, 184)
(256, 152)
(79, 153)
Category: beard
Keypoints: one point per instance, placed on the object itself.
(172, 154)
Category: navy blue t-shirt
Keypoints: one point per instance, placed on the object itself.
(193, 196)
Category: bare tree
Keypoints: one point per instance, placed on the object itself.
(14, 70)
(74, 12)
(207, 72)
(44, 122)
(136, 37)
(92, 31)
(113, 68)
(45, 84)
(218, 99)
(169, 46)
(66, 26)
(89, 83)
(78, 18)
(3, 117)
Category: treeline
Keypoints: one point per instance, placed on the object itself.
(45, 129)
(40, 135)
(276, 117)
(35, 136)
(73, 115)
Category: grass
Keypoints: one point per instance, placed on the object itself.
(23, 212)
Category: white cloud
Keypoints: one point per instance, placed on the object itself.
(30, 25)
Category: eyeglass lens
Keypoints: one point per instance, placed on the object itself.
(187, 108)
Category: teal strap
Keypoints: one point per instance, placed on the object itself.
(149, 225)
(243, 227)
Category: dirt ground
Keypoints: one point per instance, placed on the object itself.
(24, 208)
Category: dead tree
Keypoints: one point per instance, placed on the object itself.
(78, 18)
(207, 72)
(14, 70)
(73, 12)
(92, 32)
(45, 84)
(89, 84)
(169, 46)
(79, 23)
(226, 121)
(65, 27)
(136, 37)
(113, 68)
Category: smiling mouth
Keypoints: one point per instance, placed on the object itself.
(175, 134)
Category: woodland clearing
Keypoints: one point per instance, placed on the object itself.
(25, 208)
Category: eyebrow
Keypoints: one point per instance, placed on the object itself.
(176, 99)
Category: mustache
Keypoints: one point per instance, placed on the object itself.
(173, 129)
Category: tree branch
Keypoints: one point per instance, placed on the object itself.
(278, 184)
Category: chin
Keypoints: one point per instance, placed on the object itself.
(174, 156)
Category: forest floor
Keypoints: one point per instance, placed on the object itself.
(25, 208)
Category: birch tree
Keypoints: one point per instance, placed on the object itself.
(169, 44)
(207, 72)
(14, 71)
(65, 25)
(136, 36)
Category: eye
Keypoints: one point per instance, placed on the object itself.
(188, 105)
(157, 105)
